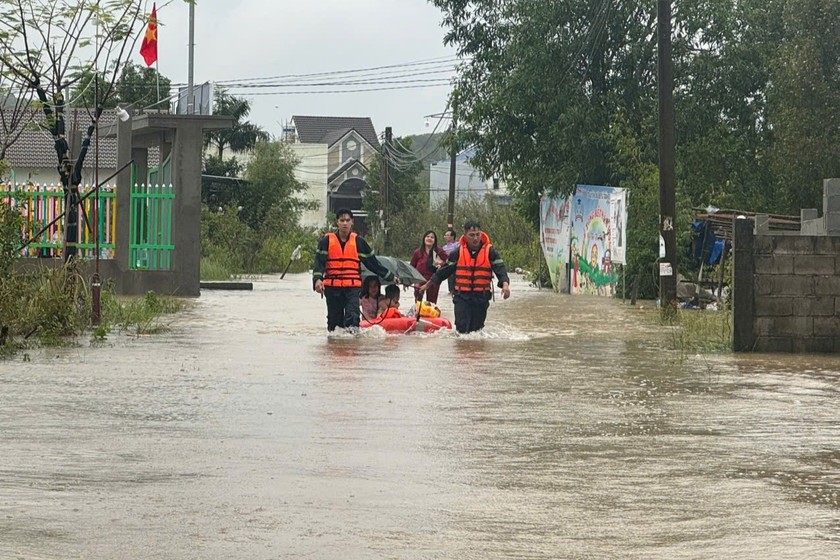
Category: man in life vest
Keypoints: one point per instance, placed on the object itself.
(473, 263)
(336, 273)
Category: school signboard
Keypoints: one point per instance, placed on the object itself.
(587, 233)
(554, 238)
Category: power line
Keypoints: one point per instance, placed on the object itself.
(332, 91)
(429, 61)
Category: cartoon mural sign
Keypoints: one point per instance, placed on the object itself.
(596, 221)
(555, 228)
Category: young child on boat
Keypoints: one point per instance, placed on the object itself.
(390, 304)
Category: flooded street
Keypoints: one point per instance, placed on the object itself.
(565, 430)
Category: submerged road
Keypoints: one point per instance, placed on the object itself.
(565, 430)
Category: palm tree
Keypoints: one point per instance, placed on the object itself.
(243, 135)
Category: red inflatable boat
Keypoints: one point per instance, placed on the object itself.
(409, 324)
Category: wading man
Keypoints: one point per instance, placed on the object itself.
(336, 273)
(473, 263)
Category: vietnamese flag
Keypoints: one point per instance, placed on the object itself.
(148, 49)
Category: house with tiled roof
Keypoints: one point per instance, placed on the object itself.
(334, 154)
(32, 156)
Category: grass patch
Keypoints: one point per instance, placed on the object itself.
(698, 330)
(142, 314)
(215, 269)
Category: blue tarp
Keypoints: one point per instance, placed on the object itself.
(706, 246)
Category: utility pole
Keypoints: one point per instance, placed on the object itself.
(453, 152)
(386, 186)
(191, 62)
(667, 163)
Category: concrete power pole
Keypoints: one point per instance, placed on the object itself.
(386, 186)
(191, 62)
(453, 152)
(667, 163)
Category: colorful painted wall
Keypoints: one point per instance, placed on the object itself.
(587, 232)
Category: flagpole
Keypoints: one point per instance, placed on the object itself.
(157, 81)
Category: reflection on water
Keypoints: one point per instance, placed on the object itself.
(565, 430)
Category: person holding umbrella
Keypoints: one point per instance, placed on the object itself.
(336, 272)
(427, 258)
(473, 263)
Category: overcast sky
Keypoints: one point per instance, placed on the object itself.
(249, 39)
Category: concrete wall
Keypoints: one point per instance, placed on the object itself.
(313, 172)
(786, 285)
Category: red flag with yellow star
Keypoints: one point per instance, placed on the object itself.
(148, 49)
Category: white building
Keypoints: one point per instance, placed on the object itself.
(468, 181)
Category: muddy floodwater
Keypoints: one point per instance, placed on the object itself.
(566, 430)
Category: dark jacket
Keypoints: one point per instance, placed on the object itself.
(365, 255)
(447, 270)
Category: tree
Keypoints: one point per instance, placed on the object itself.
(271, 187)
(243, 135)
(804, 100)
(545, 82)
(46, 45)
(136, 85)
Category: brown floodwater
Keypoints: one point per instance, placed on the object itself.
(567, 429)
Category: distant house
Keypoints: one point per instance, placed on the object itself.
(468, 181)
(334, 154)
(33, 159)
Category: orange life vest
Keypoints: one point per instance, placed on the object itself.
(474, 274)
(391, 313)
(343, 263)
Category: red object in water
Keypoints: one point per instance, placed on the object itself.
(409, 324)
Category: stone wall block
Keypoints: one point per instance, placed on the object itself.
(773, 344)
(763, 285)
(764, 245)
(814, 306)
(776, 265)
(774, 307)
(788, 326)
(819, 265)
(826, 285)
(794, 245)
(827, 326)
(827, 245)
(815, 344)
(792, 285)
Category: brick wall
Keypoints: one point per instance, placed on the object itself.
(786, 291)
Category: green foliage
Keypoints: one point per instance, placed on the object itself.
(804, 100)
(139, 85)
(256, 230)
(11, 224)
(698, 330)
(142, 314)
(558, 93)
(243, 135)
(272, 191)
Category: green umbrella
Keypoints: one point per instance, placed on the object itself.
(407, 274)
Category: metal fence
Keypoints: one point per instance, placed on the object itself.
(150, 243)
(41, 204)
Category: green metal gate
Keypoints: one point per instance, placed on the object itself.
(150, 244)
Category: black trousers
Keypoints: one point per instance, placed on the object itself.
(342, 307)
(470, 311)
